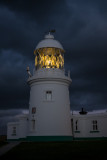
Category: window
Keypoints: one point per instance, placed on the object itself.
(33, 125)
(72, 126)
(95, 126)
(76, 130)
(14, 131)
(33, 110)
(76, 125)
(48, 95)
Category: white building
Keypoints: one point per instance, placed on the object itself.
(49, 115)
(49, 106)
(90, 125)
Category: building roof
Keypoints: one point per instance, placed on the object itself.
(49, 41)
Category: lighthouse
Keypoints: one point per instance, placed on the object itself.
(49, 104)
(49, 117)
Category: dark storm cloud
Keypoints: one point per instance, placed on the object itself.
(80, 27)
(13, 89)
(16, 32)
(40, 11)
(88, 56)
(22, 21)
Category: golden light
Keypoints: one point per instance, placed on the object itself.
(49, 58)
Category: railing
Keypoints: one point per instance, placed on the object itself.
(59, 71)
(67, 73)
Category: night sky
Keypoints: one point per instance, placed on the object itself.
(81, 27)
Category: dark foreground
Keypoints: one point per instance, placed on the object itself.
(50, 150)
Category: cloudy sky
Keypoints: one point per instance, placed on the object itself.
(81, 27)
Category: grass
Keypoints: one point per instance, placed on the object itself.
(76, 149)
(2, 143)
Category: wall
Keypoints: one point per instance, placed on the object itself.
(51, 117)
(85, 125)
(21, 128)
(10, 134)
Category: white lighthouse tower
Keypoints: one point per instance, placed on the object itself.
(49, 106)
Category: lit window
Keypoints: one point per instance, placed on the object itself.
(49, 58)
(95, 126)
(48, 95)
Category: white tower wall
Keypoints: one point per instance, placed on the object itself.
(52, 117)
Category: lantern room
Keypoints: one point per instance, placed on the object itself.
(49, 53)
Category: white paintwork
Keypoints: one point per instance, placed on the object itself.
(21, 128)
(51, 117)
(10, 126)
(85, 126)
(49, 41)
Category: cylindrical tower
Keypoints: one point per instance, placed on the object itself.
(49, 106)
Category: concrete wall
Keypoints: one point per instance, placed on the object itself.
(52, 117)
(23, 127)
(85, 125)
(16, 130)
(10, 132)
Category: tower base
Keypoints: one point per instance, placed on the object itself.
(49, 138)
(44, 139)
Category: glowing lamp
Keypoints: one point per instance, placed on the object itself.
(49, 53)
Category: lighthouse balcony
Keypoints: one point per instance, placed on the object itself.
(47, 72)
(50, 74)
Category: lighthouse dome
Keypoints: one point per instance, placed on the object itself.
(49, 41)
(49, 53)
